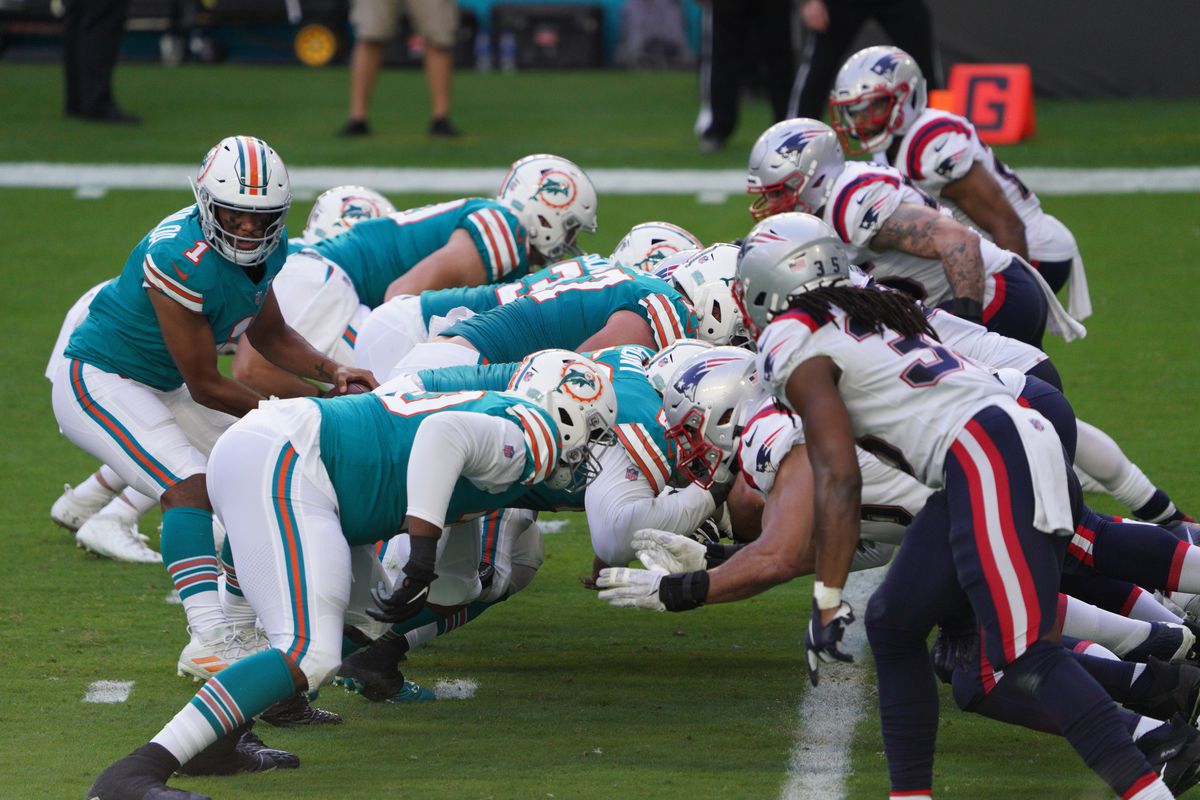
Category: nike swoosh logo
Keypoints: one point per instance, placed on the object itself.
(938, 148)
(183, 275)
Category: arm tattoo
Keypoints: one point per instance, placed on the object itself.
(322, 373)
(924, 232)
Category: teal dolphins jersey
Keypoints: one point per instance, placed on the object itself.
(640, 428)
(121, 333)
(366, 441)
(376, 252)
(484, 298)
(567, 312)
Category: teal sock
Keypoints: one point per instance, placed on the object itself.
(188, 553)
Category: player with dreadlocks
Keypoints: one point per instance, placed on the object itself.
(863, 366)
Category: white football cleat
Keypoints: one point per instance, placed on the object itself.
(110, 537)
(209, 653)
(70, 511)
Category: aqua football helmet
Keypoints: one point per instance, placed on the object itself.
(243, 175)
(553, 198)
(878, 94)
(339, 209)
(793, 165)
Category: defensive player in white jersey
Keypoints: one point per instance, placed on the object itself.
(899, 234)
(139, 388)
(329, 289)
(879, 106)
(863, 365)
(289, 481)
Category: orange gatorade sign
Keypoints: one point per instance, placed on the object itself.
(997, 98)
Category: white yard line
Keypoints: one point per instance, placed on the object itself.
(92, 180)
(455, 689)
(108, 692)
(829, 712)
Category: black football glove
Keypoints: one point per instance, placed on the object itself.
(404, 603)
(821, 641)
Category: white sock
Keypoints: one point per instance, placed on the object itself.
(1119, 634)
(1154, 791)
(110, 478)
(128, 506)
(1146, 607)
(237, 609)
(93, 491)
(1100, 457)
(421, 635)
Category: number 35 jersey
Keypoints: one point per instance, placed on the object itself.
(121, 333)
(908, 396)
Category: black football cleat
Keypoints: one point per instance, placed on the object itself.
(1167, 640)
(1176, 690)
(141, 775)
(296, 712)
(374, 672)
(1181, 771)
(269, 757)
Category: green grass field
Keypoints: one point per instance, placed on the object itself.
(575, 699)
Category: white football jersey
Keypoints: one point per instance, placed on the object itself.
(940, 147)
(992, 350)
(862, 199)
(908, 396)
(890, 498)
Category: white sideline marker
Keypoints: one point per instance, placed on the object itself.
(108, 692)
(830, 712)
(455, 689)
(709, 184)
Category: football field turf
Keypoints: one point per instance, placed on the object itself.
(573, 699)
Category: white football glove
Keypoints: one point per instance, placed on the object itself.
(662, 551)
(630, 588)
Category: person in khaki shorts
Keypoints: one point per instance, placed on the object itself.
(374, 22)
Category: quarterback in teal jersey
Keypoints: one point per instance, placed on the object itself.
(288, 481)
(542, 205)
(139, 386)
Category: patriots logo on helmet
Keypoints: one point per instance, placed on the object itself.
(886, 65)
(791, 147)
(946, 165)
(556, 189)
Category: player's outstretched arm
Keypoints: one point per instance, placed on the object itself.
(288, 350)
(457, 263)
(623, 327)
(921, 231)
(189, 340)
(982, 199)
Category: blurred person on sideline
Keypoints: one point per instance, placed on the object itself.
(374, 22)
(726, 28)
(91, 42)
(832, 26)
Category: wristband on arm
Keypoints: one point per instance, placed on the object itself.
(422, 557)
(683, 591)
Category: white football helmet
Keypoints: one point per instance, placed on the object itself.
(665, 270)
(243, 174)
(706, 404)
(341, 208)
(578, 395)
(878, 95)
(647, 244)
(705, 281)
(783, 256)
(553, 198)
(793, 166)
(662, 367)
